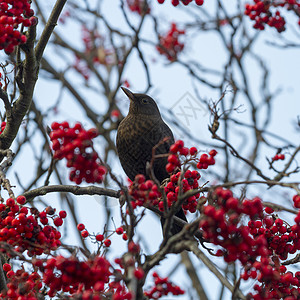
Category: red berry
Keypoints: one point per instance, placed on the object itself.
(99, 237)
(84, 234)
(10, 202)
(170, 168)
(58, 222)
(63, 214)
(174, 148)
(6, 267)
(140, 178)
(139, 273)
(107, 242)
(21, 200)
(232, 203)
(269, 210)
(278, 222)
(55, 126)
(199, 165)
(296, 200)
(99, 286)
(65, 124)
(179, 144)
(120, 230)
(213, 152)
(80, 227)
(33, 21)
(193, 151)
(173, 159)
(203, 158)
(184, 151)
(133, 247)
(10, 274)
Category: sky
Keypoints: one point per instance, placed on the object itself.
(172, 89)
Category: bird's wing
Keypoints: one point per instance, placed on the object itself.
(160, 163)
(134, 149)
(165, 132)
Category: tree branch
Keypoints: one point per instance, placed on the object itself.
(209, 264)
(74, 189)
(49, 27)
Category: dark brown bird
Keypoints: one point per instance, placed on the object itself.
(141, 130)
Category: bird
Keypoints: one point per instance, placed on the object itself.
(142, 129)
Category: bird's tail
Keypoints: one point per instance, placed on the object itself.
(175, 227)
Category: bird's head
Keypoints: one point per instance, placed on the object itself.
(141, 104)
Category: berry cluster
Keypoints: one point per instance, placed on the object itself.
(275, 284)
(178, 149)
(275, 281)
(219, 225)
(100, 237)
(75, 144)
(162, 285)
(205, 161)
(261, 13)
(169, 44)
(21, 285)
(258, 245)
(143, 191)
(13, 14)
(162, 288)
(3, 124)
(27, 229)
(73, 276)
(184, 2)
(278, 157)
(188, 182)
(173, 159)
(94, 47)
(139, 6)
(282, 239)
(94, 51)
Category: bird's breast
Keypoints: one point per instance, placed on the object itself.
(136, 138)
(135, 127)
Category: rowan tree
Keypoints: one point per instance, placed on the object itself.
(224, 76)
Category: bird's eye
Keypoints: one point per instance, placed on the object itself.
(145, 101)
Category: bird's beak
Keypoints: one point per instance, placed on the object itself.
(129, 94)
